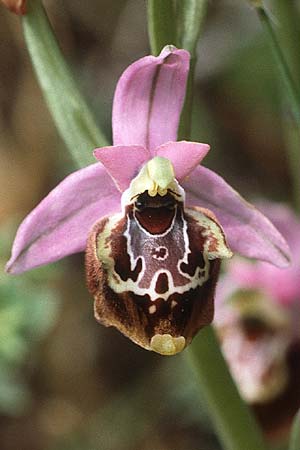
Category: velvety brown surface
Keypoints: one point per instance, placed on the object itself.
(178, 315)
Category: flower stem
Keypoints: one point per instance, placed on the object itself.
(233, 420)
(70, 112)
(236, 427)
(295, 433)
(161, 24)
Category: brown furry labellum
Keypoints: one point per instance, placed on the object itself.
(153, 270)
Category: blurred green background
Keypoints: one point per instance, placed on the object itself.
(67, 383)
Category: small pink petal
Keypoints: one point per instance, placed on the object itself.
(59, 225)
(148, 99)
(122, 162)
(184, 156)
(247, 230)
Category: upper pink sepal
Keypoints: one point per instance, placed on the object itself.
(59, 225)
(184, 156)
(148, 99)
(247, 230)
(122, 162)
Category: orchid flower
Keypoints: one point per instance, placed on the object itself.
(155, 224)
(257, 319)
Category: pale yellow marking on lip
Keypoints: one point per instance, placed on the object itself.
(152, 309)
(167, 345)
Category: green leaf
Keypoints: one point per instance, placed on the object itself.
(295, 433)
(70, 112)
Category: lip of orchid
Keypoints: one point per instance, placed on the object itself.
(60, 224)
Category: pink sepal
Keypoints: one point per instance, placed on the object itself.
(59, 225)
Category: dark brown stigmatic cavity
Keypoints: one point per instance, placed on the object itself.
(153, 270)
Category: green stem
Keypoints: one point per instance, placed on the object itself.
(295, 433)
(236, 426)
(161, 24)
(190, 19)
(70, 112)
(234, 423)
